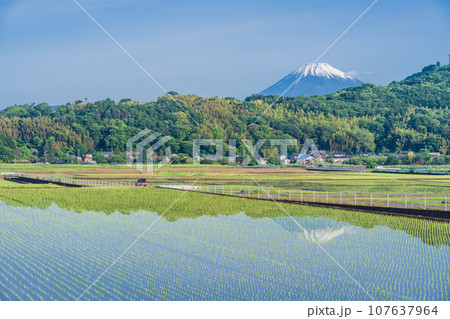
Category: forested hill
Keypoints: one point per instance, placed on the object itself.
(408, 115)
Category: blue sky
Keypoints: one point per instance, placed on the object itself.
(51, 51)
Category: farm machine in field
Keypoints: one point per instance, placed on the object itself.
(141, 182)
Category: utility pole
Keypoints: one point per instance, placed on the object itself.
(45, 156)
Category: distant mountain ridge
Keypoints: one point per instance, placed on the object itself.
(312, 79)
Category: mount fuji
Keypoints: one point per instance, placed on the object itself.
(312, 79)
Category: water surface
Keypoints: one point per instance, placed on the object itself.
(55, 254)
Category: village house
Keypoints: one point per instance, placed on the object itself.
(284, 160)
(87, 158)
(435, 154)
(305, 159)
(340, 159)
(339, 154)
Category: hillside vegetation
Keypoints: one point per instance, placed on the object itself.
(412, 114)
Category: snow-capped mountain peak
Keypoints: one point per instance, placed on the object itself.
(323, 70)
(312, 79)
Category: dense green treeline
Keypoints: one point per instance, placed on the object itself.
(412, 114)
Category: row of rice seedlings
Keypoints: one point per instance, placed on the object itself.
(150, 268)
(408, 260)
(240, 275)
(25, 249)
(27, 271)
(228, 257)
(49, 239)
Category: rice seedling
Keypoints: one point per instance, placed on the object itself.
(210, 248)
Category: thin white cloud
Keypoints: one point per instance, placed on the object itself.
(356, 73)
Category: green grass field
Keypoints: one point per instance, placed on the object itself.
(364, 182)
(7, 184)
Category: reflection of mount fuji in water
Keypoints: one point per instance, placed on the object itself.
(320, 231)
(324, 235)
